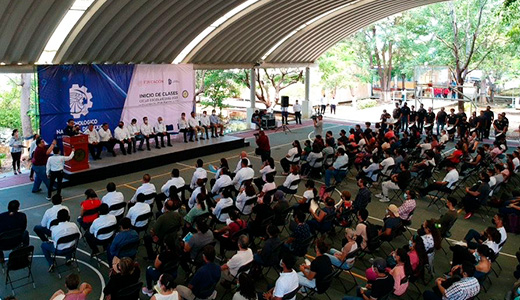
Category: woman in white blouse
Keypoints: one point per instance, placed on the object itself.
(16, 151)
(245, 194)
(267, 167)
(293, 155)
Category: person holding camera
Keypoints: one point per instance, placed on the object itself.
(264, 148)
(318, 125)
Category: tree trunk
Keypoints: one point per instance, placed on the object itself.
(25, 104)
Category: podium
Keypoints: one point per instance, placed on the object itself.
(80, 160)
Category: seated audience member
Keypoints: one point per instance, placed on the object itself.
(339, 168)
(367, 172)
(311, 161)
(447, 220)
(402, 269)
(261, 212)
(74, 289)
(295, 242)
(280, 208)
(480, 257)
(224, 202)
(89, 209)
(64, 228)
(124, 237)
(288, 185)
(247, 193)
(125, 273)
(265, 256)
(113, 197)
(397, 182)
(268, 189)
(408, 206)
(44, 229)
(227, 234)
(311, 276)
(361, 227)
(245, 288)
(166, 284)
(168, 224)
(175, 180)
(431, 237)
(205, 280)
(243, 256)
(224, 181)
(103, 221)
(391, 223)
(292, 156)
(466, 288)
(288, 281)
(162, 264)
(268, 166)
(380, 287)
(199, 209)
(446, 185)
(147, 188)
(244, 173)
(199, 189)
(476, 195)
(310, 194)
(328, 152)
(199, 173)
(318, 221)
(241, 156)
(13, 220)
(339, 258)
(491, 237)
(140, 208)
(193, 247)
(417, 254)
(387, 164)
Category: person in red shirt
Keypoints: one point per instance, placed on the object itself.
(39, 162)
(92, 203)
(264, 148)
(453, 158)
(227, 235)
(390, 134)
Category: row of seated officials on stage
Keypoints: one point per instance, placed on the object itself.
(129, 135)
(241, 216)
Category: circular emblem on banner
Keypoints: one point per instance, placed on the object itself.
(80, 101)
(79, 155)
(185, 94)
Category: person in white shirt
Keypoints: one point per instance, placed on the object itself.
(223, 181)
(245, 173)
(243, 256)
(140, 208)
(199, 173)
(288, 186)
(63, 229)
(225, 201)
(216, 124)
(241, 156)
(288, 281)
(122, 137)
(193, 124)
(206, 123)
(267, 167)
(176, 181)
(105, 139)
(387, 164)
(184, 127)
(245, 194)
(160, 131)
(147, 132)
(93, 142)
(292, 156)
(54, 169)
(339, 168)
(200, 189)
(93, 237)
(146, 189)
(446, 185)
(135, 134)
(113, 197)
(297, 108)
(44, 229)
(32, 147)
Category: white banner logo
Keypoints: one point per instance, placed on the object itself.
(80, 101)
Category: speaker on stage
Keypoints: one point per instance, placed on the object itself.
(285, 101)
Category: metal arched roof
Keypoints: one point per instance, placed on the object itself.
(241, 32)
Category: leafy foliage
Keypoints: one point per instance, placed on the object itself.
(218, 86)
(10, 107)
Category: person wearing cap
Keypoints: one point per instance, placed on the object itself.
(339, 258)
(391, 222)
(381, 286)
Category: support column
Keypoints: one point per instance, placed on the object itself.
(306, 105)
(252, 96)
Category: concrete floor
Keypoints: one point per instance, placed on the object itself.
(34, 205)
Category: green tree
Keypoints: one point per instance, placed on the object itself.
(10, 107)
(218, 85)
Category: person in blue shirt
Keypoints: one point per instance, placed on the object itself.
(204, 282)
(125, 236)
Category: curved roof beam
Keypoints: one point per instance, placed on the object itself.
(210, 32)
(307, 44)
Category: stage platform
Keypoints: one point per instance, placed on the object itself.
(110, 166)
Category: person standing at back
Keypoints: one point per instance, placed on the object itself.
(41, 154)
(16, 151)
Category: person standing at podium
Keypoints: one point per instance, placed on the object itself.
(122, 135)
(94, 147)
(54, 169)
(160, 131)
(147, 132)
(70, 130)
(105, 139)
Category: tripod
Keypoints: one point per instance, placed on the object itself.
(284, 127)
